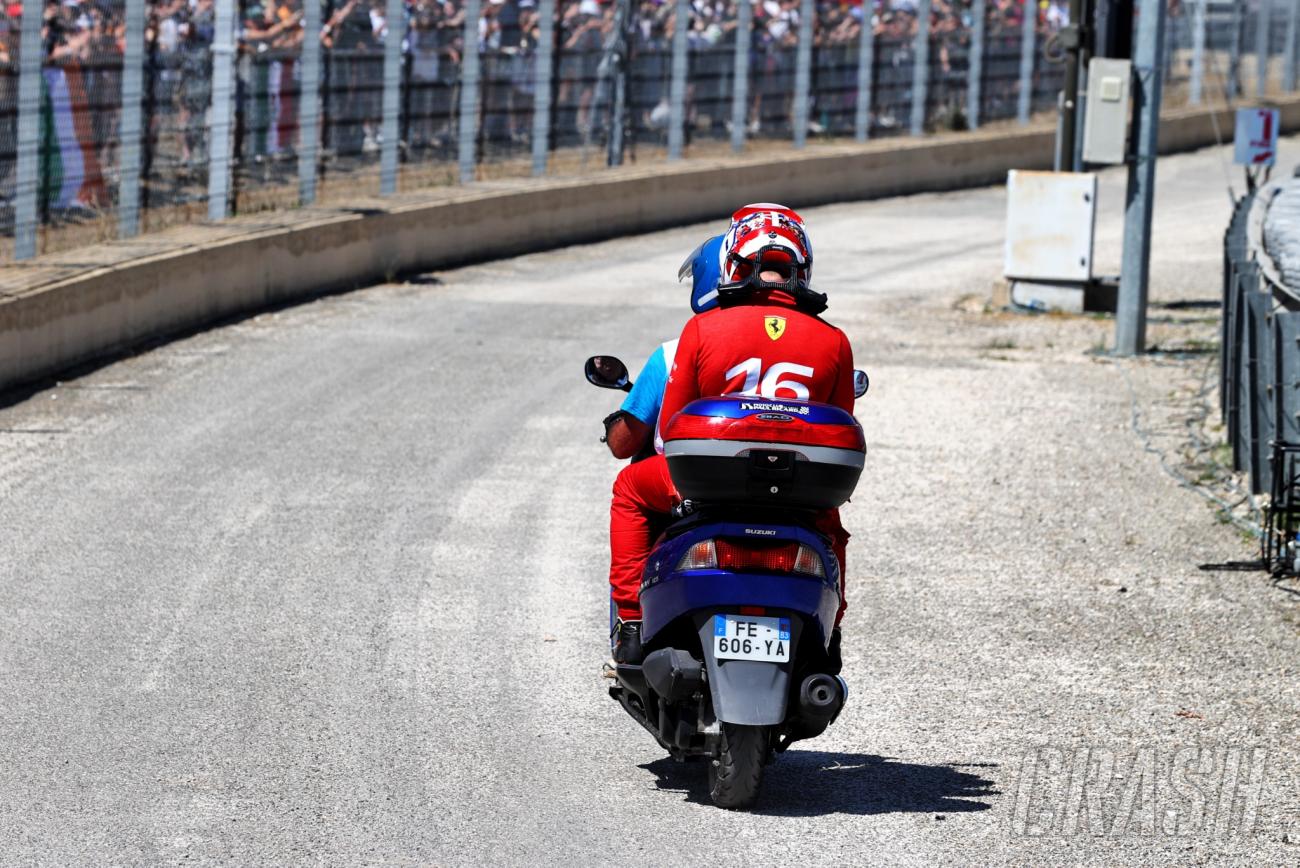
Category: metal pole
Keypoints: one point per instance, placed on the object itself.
(28, 167)
(1288, 52)
(618, 107)
(1171, 37)
(395, 21)
(1023, 104)
(223, 95)
(1131, 319)
(128, 185)
(1261, 47)
(244, 114)
(1070, 90)
(677, 86)
(740, 76)
(976, 76)
(1111, 29)
(309, 103)
(920, 67)
(803, 72)
(542, 86)
(1198, 52)
(1087, 41)
(866, 76)
(469, 73)
(1058, 141)
(618, 52)
(148, 144)
(1234, 51)
(1080, 115)
(408, 63)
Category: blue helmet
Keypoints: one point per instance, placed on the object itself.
(704, 265)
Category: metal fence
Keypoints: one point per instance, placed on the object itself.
(1259, 376)
(1220, 47)
(126, 116)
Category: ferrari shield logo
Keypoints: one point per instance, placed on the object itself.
(775, 326)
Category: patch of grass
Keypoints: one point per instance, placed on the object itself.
(1190, 346)
(1000, 344)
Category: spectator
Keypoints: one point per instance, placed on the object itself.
(83, 42)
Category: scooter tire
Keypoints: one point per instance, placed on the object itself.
(737, 774)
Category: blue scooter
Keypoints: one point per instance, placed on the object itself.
(740, 593)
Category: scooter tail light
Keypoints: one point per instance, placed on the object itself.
(768, 559)
(701, 556)
(721, 554)
(808, 563)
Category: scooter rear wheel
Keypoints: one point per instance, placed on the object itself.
(736, 775)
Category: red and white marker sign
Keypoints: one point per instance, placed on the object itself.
(1256, 137)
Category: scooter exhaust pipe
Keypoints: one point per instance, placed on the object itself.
(821, 697)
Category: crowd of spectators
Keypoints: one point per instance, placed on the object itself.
(84, 40)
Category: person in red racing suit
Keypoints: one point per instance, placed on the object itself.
(765, 341)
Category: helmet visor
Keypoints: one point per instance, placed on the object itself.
(689, 263)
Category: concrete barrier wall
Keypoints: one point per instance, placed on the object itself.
(49, 327)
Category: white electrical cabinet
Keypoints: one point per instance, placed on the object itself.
(1051, 218)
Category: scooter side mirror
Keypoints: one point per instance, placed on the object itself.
(861, 382)
(608, 372)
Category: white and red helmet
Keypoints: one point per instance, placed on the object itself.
(765, 237)
(765, 234)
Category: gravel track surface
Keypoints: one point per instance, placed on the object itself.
(328, 584)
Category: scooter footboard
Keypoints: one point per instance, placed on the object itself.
(747, 692)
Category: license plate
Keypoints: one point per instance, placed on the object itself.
(750, 637)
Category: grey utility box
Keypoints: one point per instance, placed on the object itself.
(1105, 126)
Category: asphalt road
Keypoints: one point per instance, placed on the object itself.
(328, 584)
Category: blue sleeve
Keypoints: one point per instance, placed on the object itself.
(647, 394)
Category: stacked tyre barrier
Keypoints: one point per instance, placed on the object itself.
(1260, 367)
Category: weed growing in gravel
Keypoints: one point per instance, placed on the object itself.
(1001, 344)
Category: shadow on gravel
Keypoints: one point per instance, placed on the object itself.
(1190, 304)
(810, 783)
(1278, 582)
(1233, 567)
